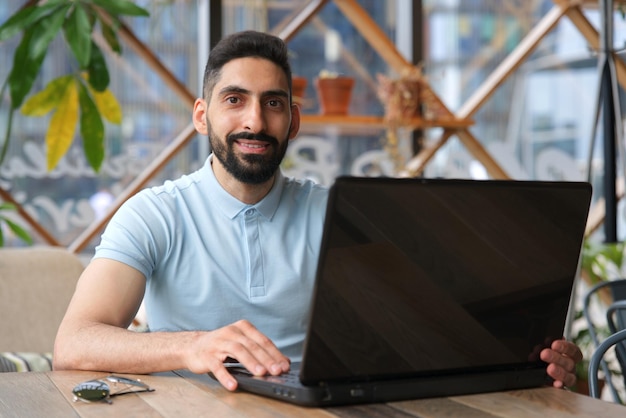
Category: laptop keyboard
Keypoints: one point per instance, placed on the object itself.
(289, 378)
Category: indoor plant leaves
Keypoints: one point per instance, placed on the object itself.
(25, 17)
(77, 30)
(121, 7)
(97, 69)
(62, 126)
(108, 106)
(91, 128)
(48, 98)
(66, 95)
(14, 227)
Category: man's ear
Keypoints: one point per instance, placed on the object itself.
(199, 115)
(295, 121)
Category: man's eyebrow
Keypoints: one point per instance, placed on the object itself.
(278, 92)
(241, 90)
(233, 89)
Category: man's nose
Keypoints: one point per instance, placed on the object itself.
(254, 118)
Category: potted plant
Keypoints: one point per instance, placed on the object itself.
(334, 92)
(298, 88)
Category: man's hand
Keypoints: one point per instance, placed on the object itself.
(562, 357)
(240, 341)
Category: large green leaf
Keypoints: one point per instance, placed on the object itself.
(109, 33)
(24, 71)
(46, 30)
(91, 128)
(31, 52)
(98, 72)
(62, 126)
(121, 7)
(77, 29)
(47, 99)
(26, 17)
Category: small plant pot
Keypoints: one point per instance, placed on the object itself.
(298, 88)
(334, 94)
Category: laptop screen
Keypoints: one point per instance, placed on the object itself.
(420, 277)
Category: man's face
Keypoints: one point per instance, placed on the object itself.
(250, 119)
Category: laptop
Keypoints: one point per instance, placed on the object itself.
(435, 287)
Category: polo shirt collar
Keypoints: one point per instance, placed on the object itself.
(231, 206)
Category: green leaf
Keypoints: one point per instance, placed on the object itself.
(91, 128)
(109, 33)
(24, 71)
(17, 230)
(98, 72)
(48, 98)
(77, 29)
(121, 7)
(5, 142)
(7, 206)
(26, 17)
(46, 30)
(62, 126)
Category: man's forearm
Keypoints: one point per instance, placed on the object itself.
(113, 349)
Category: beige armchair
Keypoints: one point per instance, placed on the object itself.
(36, 285)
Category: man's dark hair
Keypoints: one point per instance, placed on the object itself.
(241, 45)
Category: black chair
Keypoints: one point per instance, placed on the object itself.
(619, 338)
(616, 319)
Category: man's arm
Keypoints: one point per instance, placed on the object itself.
(94, 336)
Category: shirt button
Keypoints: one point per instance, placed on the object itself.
(250, 212)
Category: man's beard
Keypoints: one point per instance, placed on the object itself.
(249, 168)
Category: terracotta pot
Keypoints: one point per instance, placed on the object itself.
(298, 88)
(334, 94)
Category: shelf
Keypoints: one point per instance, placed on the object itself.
(359, 123)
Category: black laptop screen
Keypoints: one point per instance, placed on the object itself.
(420, 277)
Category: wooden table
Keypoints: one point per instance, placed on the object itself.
(185, 395)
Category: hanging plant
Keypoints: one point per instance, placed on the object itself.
(80, 98)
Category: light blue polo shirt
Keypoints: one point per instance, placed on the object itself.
(211, 260)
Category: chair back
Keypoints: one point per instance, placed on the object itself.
(36, 285)
(616, 320)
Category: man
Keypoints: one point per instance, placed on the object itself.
(226, 256)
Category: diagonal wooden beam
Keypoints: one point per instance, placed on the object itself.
(591, 35)
(475, 148)
(289, 26)
(511, 62)
(136, 185)
(153, 61)
(373, 34)
(7, 197)
(491, 84)
(417, 163)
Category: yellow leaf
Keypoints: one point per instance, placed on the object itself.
(108, 105)
(62, 126)
(48, 98)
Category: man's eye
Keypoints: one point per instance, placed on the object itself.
(232, 100)
(274, 103)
